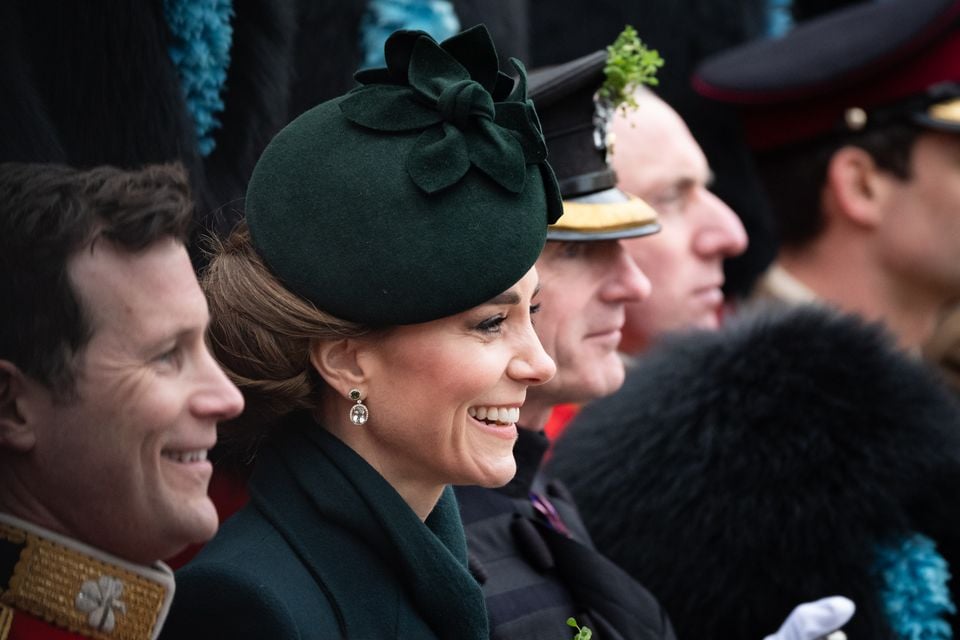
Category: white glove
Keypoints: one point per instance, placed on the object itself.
(812, 620)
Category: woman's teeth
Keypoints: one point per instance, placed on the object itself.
(495, 414)
(185, 456)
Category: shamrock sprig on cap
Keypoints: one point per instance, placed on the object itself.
(629, 64)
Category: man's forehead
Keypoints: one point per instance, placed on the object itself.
(102, 262)
(584, 249)
(114, 284)
(950, 139)
(659, 153)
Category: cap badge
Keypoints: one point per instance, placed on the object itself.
(603, 138)
(856, 118)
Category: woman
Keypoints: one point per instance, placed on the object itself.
(376, 311)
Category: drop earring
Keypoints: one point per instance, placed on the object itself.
(359, 414)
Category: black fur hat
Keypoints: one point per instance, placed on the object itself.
(739, 473)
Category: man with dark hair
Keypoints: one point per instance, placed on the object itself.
(853, 119)
(109, 399)
(794, 176)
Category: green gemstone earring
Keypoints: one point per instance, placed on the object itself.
(359, 414)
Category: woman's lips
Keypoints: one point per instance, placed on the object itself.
(503, 431)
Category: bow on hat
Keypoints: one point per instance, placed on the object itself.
(454, 93)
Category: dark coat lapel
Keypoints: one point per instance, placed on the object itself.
(363, 544)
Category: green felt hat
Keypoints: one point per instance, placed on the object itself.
(422, 193)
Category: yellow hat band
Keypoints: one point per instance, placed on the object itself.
(948, 111)
(584, 220)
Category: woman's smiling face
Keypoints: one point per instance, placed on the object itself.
(444, 396)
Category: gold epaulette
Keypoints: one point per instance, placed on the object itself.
(79, 588)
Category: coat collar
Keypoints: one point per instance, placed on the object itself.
(780, 284)
(346, 496)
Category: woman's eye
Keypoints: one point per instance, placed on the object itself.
(491, 325)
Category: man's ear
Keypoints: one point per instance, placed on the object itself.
(856, 188)
(339, 363)
(16, 430)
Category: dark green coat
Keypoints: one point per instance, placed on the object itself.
(327, 549)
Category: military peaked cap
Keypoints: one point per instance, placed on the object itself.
(862, 66)
(575, 127)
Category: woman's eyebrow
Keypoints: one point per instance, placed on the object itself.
(511, 297)
(507, 297)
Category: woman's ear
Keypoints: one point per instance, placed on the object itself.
(16, 431)
(338, 363)
(855, 187)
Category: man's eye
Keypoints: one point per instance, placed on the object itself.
(572, 249)
(534, 310)
(668, 200)
(171, 357)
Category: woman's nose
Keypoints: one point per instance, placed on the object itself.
(532, 365)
